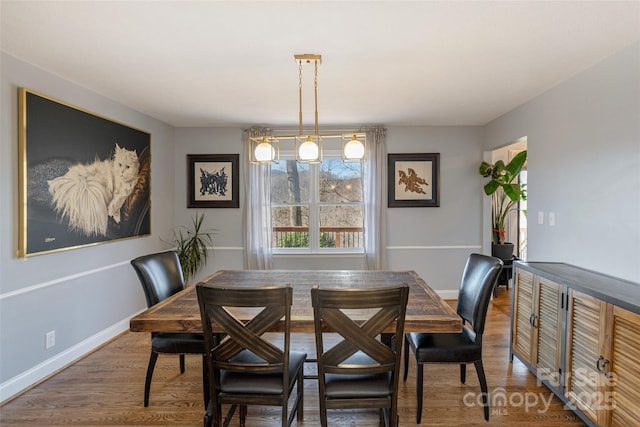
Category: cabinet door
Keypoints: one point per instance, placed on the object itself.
(548, 330)
(522, 314)
(585, 334)
(623, 374)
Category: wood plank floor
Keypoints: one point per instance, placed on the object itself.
(105, 389)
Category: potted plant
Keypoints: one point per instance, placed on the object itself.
(192, 246)
(505, 195)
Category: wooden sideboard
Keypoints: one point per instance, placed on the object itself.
(578, 331)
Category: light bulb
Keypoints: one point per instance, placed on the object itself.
(308, 150)
(354, 149)
(264, 152)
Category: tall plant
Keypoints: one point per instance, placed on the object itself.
(192, 246)
(505, 194)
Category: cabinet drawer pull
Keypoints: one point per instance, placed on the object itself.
(599, 365)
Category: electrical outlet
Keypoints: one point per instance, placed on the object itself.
(540, 218)
(49, 339)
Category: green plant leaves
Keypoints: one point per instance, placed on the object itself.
(505, 194)
(192, 246)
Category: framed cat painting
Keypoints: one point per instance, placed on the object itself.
(84, 179)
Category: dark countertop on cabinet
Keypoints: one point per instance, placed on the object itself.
(619, 292)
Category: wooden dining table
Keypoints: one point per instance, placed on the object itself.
(426, 311)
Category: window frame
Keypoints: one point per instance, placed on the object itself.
(314, 204)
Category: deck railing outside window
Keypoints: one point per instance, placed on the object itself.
(330, 237)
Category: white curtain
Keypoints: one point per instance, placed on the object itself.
(375, 221)
(257, 210)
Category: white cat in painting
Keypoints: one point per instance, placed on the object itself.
(88, 194)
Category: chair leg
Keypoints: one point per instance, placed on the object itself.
(284, 415)
(323, 412)
(463, 373)
(483, 388)
(147, 382)
(394, 417)
(205, 381)
(208, 415)
(406, 360)
(419, 377)
(300, 391)
(182, 363)
(243, 415)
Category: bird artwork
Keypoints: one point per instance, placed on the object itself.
(412, 181)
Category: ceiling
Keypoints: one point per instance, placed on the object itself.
(214, 63)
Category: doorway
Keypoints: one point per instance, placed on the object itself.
(516, 225)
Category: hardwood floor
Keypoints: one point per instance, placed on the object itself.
(106, 387)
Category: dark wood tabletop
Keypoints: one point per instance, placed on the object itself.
(426, 311)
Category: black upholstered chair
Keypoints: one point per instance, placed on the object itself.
(359, 371)
(478, 280)
(246, 367)
(161, 276)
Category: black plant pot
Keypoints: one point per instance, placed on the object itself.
(504, 251)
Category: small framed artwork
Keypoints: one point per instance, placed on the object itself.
(414, 180)
(212, 180)
(84, 179)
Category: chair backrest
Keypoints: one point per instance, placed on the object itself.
(216, 310)
(331, 308)
(160, 275)
(478, 280)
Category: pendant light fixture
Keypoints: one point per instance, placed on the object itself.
(308, 148)
(352, 148)
(264, 149)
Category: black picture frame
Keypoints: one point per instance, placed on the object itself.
(209, 177)
(413, 180)
(59, 142)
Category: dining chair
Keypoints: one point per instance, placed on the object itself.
(478, 280)
(161, 276)
(358, 370)
(246, 367)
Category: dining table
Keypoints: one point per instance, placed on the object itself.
(426, 310)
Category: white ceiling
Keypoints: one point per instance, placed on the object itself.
(213, 63)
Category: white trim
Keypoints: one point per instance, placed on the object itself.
(402, 248)
(64, 279)
(448, 294)
(21, 382)
(336, 254)
(59, 280)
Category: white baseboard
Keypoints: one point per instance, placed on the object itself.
(448, 294)
(23, 381)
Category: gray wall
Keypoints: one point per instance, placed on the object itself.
(584, 165)
(421, 239)
(584, 157)
(86, 295)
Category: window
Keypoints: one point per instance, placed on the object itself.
(317, 208)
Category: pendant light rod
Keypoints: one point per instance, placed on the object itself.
(308, 147)
(308, 57)
(315, 88)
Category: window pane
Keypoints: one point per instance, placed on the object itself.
(290, 227)
(341, 227)
(340, 182)
(289, 182)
